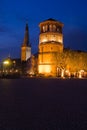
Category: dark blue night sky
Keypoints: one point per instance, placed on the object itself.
(15, 13)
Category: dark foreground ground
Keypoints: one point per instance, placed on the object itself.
(43, 104)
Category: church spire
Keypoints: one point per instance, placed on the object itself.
(26, 47)
(26, 37)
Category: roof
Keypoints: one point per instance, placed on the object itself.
(51, 20)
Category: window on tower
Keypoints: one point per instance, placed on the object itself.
(54, 28)
(58, 29)
(51, 28)
(44, 29)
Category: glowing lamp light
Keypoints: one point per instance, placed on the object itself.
(6, 62)
(10, 71)
(80, 76)
(16, 70)
(68, 73)
(80, 73)
(62, 73)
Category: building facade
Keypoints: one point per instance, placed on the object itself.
(50, 43)
(53, 58)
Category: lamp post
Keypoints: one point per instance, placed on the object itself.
(6, 66)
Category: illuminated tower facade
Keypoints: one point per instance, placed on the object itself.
(26, 47)
(50, 43)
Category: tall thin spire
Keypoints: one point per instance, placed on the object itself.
(26, 37)
(26, 47)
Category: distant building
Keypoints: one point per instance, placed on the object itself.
(26, 47)
(10, 67)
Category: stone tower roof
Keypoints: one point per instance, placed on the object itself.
(51, 20)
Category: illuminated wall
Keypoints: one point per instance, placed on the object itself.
(51, 36)
(25, 53)
(50, 47)
(44, 69)
(47, 58)
(50, 43)
(74, 61)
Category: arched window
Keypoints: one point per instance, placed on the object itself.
(51, 27)
(54, 28)
(44, 28)
(58, 29)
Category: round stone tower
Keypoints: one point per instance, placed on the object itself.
(50, 43)
(51, 37)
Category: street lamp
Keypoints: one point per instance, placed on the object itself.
(6, 62)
